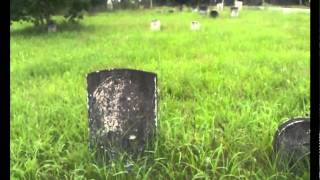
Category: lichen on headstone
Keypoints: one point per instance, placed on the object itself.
(122, 110)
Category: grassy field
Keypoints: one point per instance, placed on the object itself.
(223, 91)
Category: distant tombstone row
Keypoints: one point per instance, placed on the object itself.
(204, 10)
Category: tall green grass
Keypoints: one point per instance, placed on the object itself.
(223, 91)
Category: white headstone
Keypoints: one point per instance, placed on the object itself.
(234, 12)
(155, 25)
(195, 25)
(109, 4)
(220, 6)
(238, 4)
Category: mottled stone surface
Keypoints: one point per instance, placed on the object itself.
(292, 141)
(122, 110)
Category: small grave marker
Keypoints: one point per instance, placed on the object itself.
(195, 25)
(292, 142)
(234, 11)
(52, 27)
(155, 25)
(122, 107)
(214, 13)
(203, 9)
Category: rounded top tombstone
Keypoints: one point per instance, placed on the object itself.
(214, 13)
(292, 141)
(122, 109)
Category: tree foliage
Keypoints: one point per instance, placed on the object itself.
(40, 12)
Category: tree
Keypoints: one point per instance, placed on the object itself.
(39, 12)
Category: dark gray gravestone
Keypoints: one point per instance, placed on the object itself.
(122, 110)
(52, 27)
(292, 143)
(203, 9)
(214, 13)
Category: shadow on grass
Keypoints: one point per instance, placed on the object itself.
(61, 28)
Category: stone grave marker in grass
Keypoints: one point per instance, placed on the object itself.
(292, 144)
(220, 6)
(195, 25)
(52, 27)
(234, 11)
(203, 9)
(122, 108)
(109, 5)
(214, 13)
(155, 25)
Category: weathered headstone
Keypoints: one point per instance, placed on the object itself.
(155, 25)
(195, 25)
(234, 11)
(292, 142)
(122, 107)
